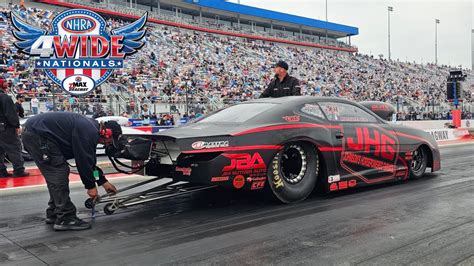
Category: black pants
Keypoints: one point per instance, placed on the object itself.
(55, 172)
(10, 145)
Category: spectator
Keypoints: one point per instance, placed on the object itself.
(20, 99)
(34, 104)
(145, 115)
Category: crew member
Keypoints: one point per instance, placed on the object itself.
(10, 143)
(283, 84)
(53, 138)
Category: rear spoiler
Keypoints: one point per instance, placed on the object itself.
(383, 110)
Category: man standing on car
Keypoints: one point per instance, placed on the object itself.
(283, 84)
(10, 143)
(53, 138)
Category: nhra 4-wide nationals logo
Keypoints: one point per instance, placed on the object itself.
(79, 53)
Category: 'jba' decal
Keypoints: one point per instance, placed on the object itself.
(370, 153)
(244, 164)
(79, 53)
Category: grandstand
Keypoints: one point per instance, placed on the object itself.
(221, 17)
(194, 67)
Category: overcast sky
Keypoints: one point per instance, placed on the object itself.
(412, 30)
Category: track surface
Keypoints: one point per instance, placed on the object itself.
(427, 221)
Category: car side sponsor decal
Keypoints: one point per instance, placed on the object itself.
(249, 167)
(334, 178)
(238, 182)
(277, 180)
(292, 118)
(370, 153)
(257, 185)
(245, 162)
(199, 145)
(343, 185)
(219, 179)
(255, 179)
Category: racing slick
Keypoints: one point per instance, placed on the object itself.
(53, 138)
(283, 84)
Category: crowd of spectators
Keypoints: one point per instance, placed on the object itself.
(179, 66)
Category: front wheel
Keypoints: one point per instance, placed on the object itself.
(294, 171)
(418, 163)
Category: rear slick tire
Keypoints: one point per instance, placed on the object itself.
(293, 173)
(419, 163)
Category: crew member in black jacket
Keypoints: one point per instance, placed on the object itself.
(283, 84)
(53, 138)
(10, 143)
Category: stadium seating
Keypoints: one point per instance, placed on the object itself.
(179, 65)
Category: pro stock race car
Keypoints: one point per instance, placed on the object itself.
(291, 144)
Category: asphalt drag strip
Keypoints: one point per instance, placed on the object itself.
(426, 221)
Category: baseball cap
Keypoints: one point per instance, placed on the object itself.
(282, 64)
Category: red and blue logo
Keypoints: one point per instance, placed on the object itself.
(79, 53)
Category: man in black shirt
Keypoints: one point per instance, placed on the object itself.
(283, 84)
(53, 138)
(20, 99)
(10, 143)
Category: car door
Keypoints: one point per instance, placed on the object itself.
(369, 148)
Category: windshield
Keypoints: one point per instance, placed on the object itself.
(238, 113)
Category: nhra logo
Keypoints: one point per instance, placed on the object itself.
(79, 53)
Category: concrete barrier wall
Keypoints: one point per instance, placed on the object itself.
(433, 124)
(438, 130)
(448, 134)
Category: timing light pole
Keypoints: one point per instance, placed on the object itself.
(390, 9)
(436, 40)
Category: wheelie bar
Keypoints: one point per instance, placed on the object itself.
(163, 191)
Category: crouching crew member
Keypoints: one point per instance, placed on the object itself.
(283, 84)
(10, 143)
(53, 138)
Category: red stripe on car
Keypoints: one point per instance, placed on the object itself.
(330, 148)
(280, 127)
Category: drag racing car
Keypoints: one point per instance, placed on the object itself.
(289, 146)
